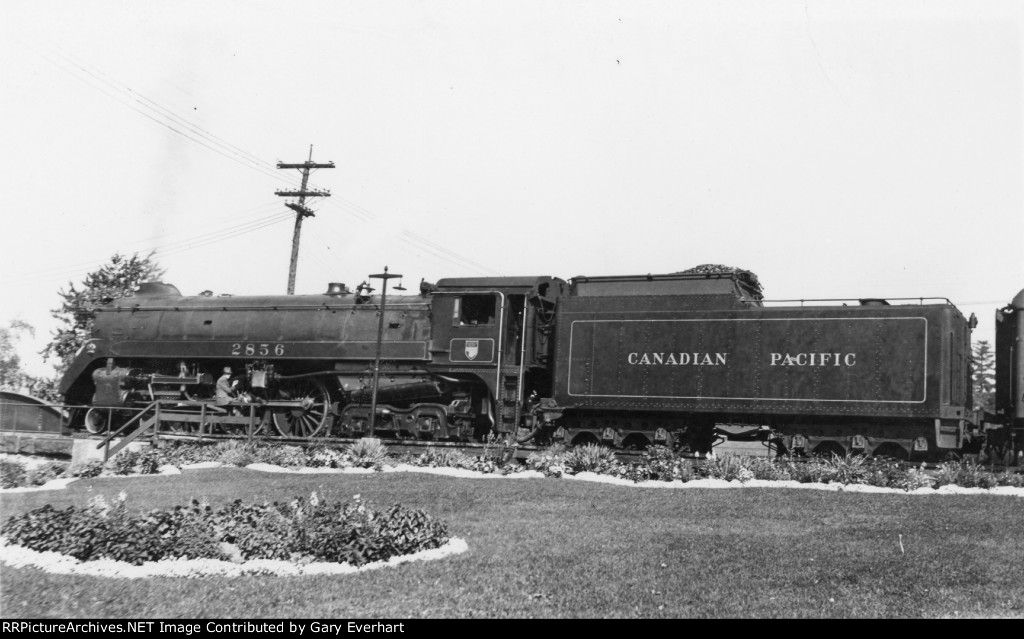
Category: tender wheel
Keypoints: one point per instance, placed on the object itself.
(636, 441)
(828, 449)
(585, 438)
(892, 450)
(311, 416)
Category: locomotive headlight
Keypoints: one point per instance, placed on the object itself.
(90, 348)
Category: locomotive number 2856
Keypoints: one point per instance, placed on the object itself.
(262, 350)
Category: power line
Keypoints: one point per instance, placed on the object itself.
(167, 119)
(170, 248)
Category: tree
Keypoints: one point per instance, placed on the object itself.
(11, 375)
(116, 279)
(983, 376)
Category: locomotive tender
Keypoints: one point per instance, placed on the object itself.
(629, 361)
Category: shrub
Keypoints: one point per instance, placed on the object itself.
(281, 455)
(149, 462)
(727, 467)
(12, 474)
(123, 463)
(404, 530)
(965, 473)
(658, 463)
(911, 479)
(809, 471)
(885, 473)
(100, 530)
(590, 458)
(183, 453)
(324, 457)
(491, 465)
(368, 452)
(354, 533)
(434, 457)
(633, 471)
(1007, 478)
(500, 450)
(768, 469)
(850, 469)
(46, 529)
(550, 461)
(41, 474)
(236, 453)
(260, 531)
(91, 468)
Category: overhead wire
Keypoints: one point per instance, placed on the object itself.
(166, 118)
(188, 245)
(415, 239)
(169, 248)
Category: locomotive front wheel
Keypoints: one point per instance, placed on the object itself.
(307, 419)
(97, 420)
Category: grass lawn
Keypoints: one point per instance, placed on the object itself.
(550, 548)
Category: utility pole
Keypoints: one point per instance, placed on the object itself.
(300, 208)
(380, 336)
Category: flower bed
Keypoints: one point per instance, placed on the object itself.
(16, 474)
(301, 532)
(657, 464)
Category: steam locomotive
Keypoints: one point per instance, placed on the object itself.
(681, 359)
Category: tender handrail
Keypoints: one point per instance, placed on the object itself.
(857, 301)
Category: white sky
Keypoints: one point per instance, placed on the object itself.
(836, 149)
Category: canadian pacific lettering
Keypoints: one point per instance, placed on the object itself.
(721, 359)
(677, 359)
(814, 359)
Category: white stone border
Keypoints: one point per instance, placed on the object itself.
(55, 563)
(695, 483)
(592, 477)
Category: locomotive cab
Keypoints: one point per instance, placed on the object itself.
(497, 332)
(493, 320)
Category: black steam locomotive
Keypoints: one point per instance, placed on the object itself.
(679, 359)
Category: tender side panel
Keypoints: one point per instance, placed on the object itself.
(799, 361)
(767, 359)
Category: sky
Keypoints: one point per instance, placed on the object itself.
(836, 149)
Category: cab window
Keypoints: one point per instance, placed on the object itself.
(473, 310)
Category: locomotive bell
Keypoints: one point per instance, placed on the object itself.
(337, 288)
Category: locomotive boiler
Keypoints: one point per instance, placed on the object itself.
(678, 359)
